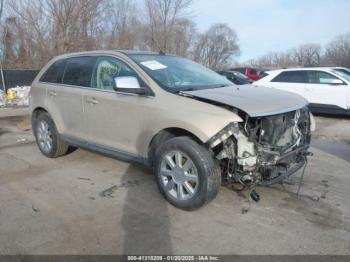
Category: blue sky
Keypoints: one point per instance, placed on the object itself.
(275, 25)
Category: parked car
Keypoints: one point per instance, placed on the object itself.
(236, 77)
(326, 89)
(252, 73)
(193, 127)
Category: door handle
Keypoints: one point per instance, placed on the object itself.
(52, 93)
(92, 100)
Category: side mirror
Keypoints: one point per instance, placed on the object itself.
(128, 84)
(332, 81)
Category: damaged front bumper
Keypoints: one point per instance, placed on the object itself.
(249, 158)
(284, 165)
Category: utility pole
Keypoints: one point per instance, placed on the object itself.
(1, 70)
(2, 77)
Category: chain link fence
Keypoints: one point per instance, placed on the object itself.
(15, 85)
(15, 77)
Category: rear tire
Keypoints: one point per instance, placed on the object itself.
(187, 174)
(47, 137)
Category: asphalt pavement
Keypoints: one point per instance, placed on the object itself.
(86, 203)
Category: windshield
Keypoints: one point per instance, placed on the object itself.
(179, 74)
(344, 71)
(346, 76)
(238, 74)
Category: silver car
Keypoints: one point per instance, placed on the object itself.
(193, 127)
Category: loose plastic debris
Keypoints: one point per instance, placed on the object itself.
(17, 96)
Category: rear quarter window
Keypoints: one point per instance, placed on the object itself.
(78, 71)
(54, 73)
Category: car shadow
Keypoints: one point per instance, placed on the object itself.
(145, 218)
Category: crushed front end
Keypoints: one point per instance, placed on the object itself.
(263, 150)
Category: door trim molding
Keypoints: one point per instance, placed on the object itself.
(105, 150)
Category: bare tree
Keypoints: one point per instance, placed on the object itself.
(274, 60)
(338, 51)
(46, 28)
(2, 80)
(305, 55)
(269, 60)
(183, 37)
(163, 17)
(1, 8)
(75, 25)
(216, 46)
(308, 55)
(38, 30)
(124, 25)
(10, 41)
(2, 34)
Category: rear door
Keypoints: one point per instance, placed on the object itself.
(62, 101)
(291, 81)
(65, 99)
(320, 89)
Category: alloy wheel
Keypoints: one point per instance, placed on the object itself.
(179, 175)
(44, 136)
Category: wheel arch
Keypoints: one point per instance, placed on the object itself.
(37, 111)
(164, 135)
(40, 109)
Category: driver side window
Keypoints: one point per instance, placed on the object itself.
(108, 68)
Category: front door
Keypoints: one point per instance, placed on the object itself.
(113, 119)
(320, 90)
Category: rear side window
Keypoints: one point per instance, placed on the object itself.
(291, 77)
(320, 77)
(55, 73)
(78, 71)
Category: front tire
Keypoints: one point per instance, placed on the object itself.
(187, 174)
(47, 137)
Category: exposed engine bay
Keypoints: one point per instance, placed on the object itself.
(263, 150)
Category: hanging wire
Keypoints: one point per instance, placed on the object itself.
(302, 177)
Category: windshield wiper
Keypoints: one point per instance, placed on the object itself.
(201, 88)
(224, 85)
(185, 90)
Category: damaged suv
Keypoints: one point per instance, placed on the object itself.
(193, 127)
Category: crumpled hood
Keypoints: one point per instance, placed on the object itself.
(255, 101)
